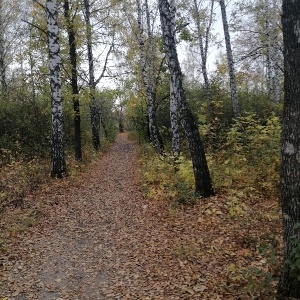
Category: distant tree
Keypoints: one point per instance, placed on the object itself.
(11, 34)
(147, 71)
(203, 186)
(174, 117)
(272, 47)
(95, 110)
(74, 77)
(233, 92)
(58, 164)
(95, 107)
(289, 284)
(258, 44)
(203, 33)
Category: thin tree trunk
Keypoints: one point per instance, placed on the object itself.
(269, 63)
(289, 286)
(2, 55)
(94, 108)
(203, 50)
(173, 97)
(149, 82)
(58, 164)
(203, 186)
(74, 80)
(275, 55)
(31, 63)
(233, 92)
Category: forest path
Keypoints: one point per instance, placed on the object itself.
(101, 239)
(89, 239)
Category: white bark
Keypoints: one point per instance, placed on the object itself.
(233, 92)
(269, 62)
(203, 45)
(2, 54)
(58, 166)
(95, 111)
(275, 55)
(203, 185)
(173, 95)
(148, 81)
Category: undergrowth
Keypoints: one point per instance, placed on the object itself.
(246, 165)
(245, 175)
(21, 177)
(163, 180)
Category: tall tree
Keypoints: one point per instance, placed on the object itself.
(258, 44)
(2, 53)
(95, 106)
(173, 96)
(148, 76)
(269, 62)
(203, 186)
(95, 110)
(203, 33)
(74, 78)
(233, 92)
(11, 34)
(289, 284)
(58, 164)
(276, 55)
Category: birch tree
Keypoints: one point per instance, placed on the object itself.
(272, 50)
(203, 34)
(289, 284)
(269, 63)
(2, 53)
(74, 77)
(203, 186)
(148, 75)
(276, 54)
(95, 107)
(258, 44)
(58, 164)
(95, 110)
(11, 35)
(233, 92)
(173, 96)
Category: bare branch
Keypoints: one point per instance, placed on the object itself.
(40, 4)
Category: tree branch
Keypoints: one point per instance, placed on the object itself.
(35, 26)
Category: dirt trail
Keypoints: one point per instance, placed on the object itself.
(101, 239)
(75, 253)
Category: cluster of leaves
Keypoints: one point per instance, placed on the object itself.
(166, 178)
(249, 159)
(245, 169)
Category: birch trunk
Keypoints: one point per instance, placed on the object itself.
(233, 92)
(204, 48)
(173, 96)
(203, 186)
(275, 55)
(2, 55)
(31, 64)
(290, 148)
(149, 81)
(269, 63)
(58, 164)
(74, 80)
(95, 110)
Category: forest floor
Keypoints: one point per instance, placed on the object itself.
(97, 237)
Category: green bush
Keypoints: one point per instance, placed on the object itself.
(250, 156)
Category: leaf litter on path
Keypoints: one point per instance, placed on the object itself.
(104, 240)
